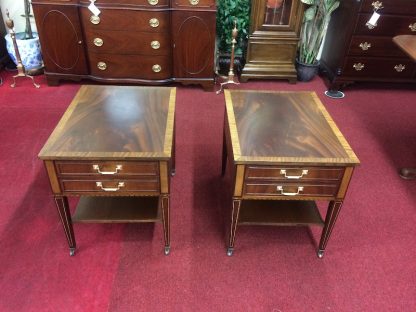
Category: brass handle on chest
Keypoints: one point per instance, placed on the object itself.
(95, 20)
(358, 66)
(365, 46)
(377, 5)
(153, 2)
(412, 27)
(156, 68)
(303, 173)
(193, 2)
(155, 44)
(154, 22)
(399, 68)
(98, 42)
(102, 66)
(97, 168)
(282, 192)
(110, 189)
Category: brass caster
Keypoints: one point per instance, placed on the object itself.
(173, 172)
(230, 251)
(71, 252)
(320, 253)
(167, 250)
(335, 94)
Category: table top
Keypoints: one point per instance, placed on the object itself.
(284, 127)
(115, 122)
(407, 43)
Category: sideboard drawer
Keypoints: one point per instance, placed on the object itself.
(379, 68)
(130, 66)
(194, 3)
(290, 189)
(374, 46)
(293, 173)
(107, 168)
(145, 3)
(113, 187)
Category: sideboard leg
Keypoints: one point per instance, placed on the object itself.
(164, 202)
(65, 216)
(331, 216)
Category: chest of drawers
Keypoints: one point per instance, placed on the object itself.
(131, 41)
(355, 50)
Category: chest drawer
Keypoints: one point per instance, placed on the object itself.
(379, 67)
(107, 168)
(374, 46)
(387, 25)
(407, 7)
(140, 3)
(130, 66)
(282, 173)
(111, 186)
(126, 20)
(288, 190)
(120, 42)
(194, 3)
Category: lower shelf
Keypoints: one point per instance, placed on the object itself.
(117, 209)
(279, 212)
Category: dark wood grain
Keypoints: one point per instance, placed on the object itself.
(391, 7)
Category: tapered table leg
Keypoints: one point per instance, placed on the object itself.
(65, 215)
(224, 154)
(331, 216)
(234, 221)
(164, 202)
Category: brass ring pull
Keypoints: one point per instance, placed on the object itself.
(154, 22)
(98, 42)
(282, 192)
(358, 66)
(304, 172)
(102, 66)
(110, 189)
(193, 2)
(399, 68)
(95, 20)
(365, 46)
(377, 5)
(97, 168)
(155, 44)
(153, 2)
(412, 27)
(156, 68)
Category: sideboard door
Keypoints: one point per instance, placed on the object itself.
(61, 38)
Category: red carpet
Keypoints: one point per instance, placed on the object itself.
(370, 261)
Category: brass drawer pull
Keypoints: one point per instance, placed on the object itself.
(412, 27)
(156, 68)
(95, 19)
(365, 46)
(110, 189)
(155, 44)
(102, 66)
(153, 2)
(377, 5)
(97, 168)
(399, 68)
(193, 2)
(98, 42)
(358, 66)
(283, 171)
(282, 192)
(154, 22)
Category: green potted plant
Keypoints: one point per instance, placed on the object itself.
(315, 23)
(229, 11)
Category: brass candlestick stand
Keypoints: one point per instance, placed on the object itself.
(231, 79)
(21, 71)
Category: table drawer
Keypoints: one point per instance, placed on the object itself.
(293, 173)
(379, 67)
(107, 168)
(113, 186)
(290, 189)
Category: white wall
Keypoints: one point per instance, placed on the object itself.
(16, 9)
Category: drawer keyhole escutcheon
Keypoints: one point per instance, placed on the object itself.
(365, 46)
(154, 22)
(358, 66)
(156, 68)
(282, 192)
(102, 66)
(98, 42)
(377, 5)
(155, 44)
(193, 2)
(412, 27)
(283, 172)
(95, 20)
(399, 68)
(110, 189)
(153, 2)
(97, 168)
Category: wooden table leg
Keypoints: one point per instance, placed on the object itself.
(234, 221)
(331, 216)
(164, 202)
(224, 154)
(65, 215)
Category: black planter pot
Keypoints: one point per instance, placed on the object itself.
(306, 72)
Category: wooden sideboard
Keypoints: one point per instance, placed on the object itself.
(151, 42)
(355, 51)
